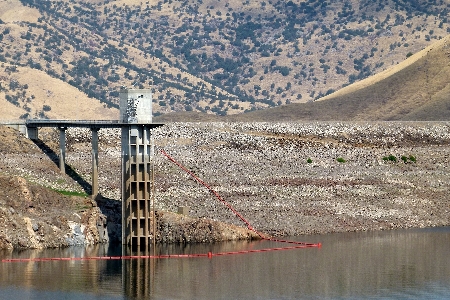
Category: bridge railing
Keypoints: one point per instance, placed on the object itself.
(74, 123)
(45, 121)
(12, 122)
(93, 124)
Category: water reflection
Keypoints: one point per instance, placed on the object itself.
(397, 264)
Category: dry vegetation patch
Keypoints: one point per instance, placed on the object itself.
(13, 11)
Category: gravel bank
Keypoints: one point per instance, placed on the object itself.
(285, 178)
(262, 169)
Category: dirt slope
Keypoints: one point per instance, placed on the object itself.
(33, 215)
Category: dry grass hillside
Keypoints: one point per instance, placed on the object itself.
(38, 95)
(219, 58)
(417, 89)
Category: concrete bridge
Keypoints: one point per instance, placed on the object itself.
(30, 128)
(135, 121)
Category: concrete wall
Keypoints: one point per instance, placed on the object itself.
(31, 133)
(136, 106)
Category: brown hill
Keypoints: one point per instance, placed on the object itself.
(416, 89)
(220, 58)
(38, 95)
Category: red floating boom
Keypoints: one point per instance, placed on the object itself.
(296, 245)
(264, 237)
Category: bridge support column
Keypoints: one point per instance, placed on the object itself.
(32, 133)
(62, 149)
(94, 162)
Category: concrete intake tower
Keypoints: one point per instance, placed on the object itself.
(137, 152)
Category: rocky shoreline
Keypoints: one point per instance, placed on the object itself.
(287, 178)
(284, 178)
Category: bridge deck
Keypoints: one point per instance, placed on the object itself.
(93, 124)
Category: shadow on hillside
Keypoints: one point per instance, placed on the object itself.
(112, 209)
(87, 187)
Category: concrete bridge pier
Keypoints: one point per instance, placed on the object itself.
(94, 176)
(62, 149)
(31, 132)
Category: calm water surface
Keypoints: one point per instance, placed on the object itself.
(405, 264)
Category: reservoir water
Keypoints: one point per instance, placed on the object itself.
(401, 264)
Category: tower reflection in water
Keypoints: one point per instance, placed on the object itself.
(147, 272)
(138, 274)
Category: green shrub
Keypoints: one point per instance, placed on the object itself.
(309, 160)
(71, 193)
(390, 158)
(340, 159)
(404, 158)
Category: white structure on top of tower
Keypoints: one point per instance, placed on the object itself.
(135, 106)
